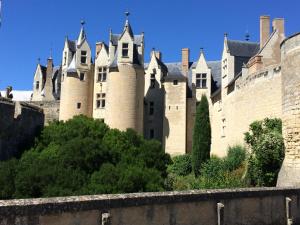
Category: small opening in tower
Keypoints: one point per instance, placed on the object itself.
(78, 105)
(175, 82)
(151, 133)
(81, 76)
(83, 57)
(37, 85)
(125, 49)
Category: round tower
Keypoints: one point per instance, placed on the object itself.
(77, 79)
(126, 81)
(290, 56)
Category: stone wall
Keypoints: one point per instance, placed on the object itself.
(290, 171)
(265, 206)
(251, 97)
(19, 124)
(51, 110)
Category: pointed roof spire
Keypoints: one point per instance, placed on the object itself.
(50, 56)
(82, 35)
(127, 24)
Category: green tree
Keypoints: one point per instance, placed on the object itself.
(266, 142)
(201, 136)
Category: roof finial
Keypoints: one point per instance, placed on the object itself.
(247, 35)
(127, 14)
(39, 60)
(50, 57)
(82, 22)
(225, 34)
(201, 50)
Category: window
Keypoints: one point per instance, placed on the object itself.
(201, 80)
(125, 50)
(83, 57)
(223, 127)
(78, 105)
(65, 58)
(151, 108)
(37, 85)
(81, 77)
(151, 135)
(102, 71)
(152, 81)
(175, 82)
(100, 101)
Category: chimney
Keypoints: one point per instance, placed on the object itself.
(49, 66)
(264, 30)
(185, 60)
(158, 55)
(99, 46)
(278, 24)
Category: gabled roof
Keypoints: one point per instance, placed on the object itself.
(81, 37)
(114, 38)
(242, 48)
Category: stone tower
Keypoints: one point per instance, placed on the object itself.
(125, 87)
(77, 78)
(290, 55)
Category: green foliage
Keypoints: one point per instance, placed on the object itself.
(236, 156)
(181, 166)
(266, 142)
(215, 173)
(201, 136)
(83, 156)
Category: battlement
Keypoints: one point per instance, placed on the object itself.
(237, 206)
(20, 122)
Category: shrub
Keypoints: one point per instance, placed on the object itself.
(236, 156)
(182, 165)
(201, 136)
(266, 142)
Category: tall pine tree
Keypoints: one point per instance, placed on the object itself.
(201, 136)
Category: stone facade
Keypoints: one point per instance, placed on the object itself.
(159, 99)
(263, 206)
(19, 124)
(290, 171)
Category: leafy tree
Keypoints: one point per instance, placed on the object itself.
(182, 165)
(201, 136)
(236, 156)
(266, 142)
(83, 156)
(7, 178)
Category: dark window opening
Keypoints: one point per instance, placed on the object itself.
(201, 80)
(78, 105)
(100, 102)
(152, 81)
(83, 57)
(175, 82)
(125, 50)
(151, 134)
(151, 108)
(102, 72)
(81, 76)
(37, 85)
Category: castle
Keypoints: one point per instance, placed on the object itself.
(159, 99)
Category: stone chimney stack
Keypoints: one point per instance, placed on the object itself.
(49, 66)
(185, 60)
(278, 24)
(264, 30)
(99, 46)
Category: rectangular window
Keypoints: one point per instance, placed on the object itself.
(201, 80)
(151, 135)
(37, 85)
(102, 72)
(175, 82)
(81, 77)
(100, 101)
(78, 105)
(83, 57)
(152, 81)
(125, 50)
(151, 108)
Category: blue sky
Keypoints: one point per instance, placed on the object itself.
(31, 27)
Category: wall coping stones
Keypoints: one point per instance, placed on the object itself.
(44, 206)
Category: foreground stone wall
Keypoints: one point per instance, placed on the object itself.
(19, 125)
(264, 206)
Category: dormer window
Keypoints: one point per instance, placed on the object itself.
(37, 85)
(102, 72)
(201, 81)
(152, 81)
(125, 50)
(83, 57)
(81, 77)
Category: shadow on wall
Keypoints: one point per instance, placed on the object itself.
(20, 123)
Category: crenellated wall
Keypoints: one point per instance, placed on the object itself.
(20, 122)
(263, 206)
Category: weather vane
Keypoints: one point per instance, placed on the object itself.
(127, 14)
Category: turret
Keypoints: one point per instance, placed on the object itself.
(125, 88)
(77, 78)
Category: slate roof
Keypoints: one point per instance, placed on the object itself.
(243, 48)
(215, 67)
(72, 45)
(114, 38)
